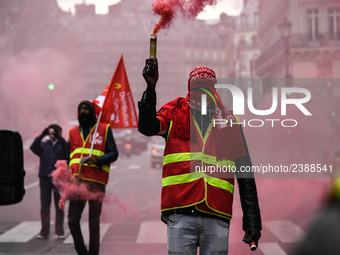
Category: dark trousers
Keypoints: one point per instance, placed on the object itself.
(46, 190)
(74, 215)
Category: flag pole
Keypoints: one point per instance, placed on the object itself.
(95, 133)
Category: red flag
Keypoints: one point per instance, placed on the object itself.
(116, 101)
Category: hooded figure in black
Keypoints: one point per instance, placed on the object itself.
(87, 121)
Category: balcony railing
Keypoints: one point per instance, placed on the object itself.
(298, 41)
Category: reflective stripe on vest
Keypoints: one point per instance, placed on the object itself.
(186, 178)
(87, 151)
(187, 156)
(207, 91)
(77, 161)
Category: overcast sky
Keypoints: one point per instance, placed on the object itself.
(231, 7)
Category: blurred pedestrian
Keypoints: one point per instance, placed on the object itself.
(197, 204)
(91, 170)
(49, 151)
(323, 234)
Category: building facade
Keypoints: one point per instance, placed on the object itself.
(314, 43)
(246, 41)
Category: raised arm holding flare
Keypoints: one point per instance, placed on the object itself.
(193, 198)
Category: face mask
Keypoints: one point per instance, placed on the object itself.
(85, 120)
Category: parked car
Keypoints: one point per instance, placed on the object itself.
(157, 145)
(129, 142)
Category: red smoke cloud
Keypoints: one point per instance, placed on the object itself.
(28, 105)
(70, 188)
(168, 10)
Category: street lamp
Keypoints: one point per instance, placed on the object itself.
(285, 27)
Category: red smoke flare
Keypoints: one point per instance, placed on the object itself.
(168, 10)
(70, 188)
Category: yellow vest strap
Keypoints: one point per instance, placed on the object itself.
(87, 151)
(77, 161)
(187, 178)
(187, 156)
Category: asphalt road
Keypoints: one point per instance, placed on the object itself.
(130, 221)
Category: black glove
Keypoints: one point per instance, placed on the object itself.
(150, 72)
(251, 234)
(57, 133)
(44, 132)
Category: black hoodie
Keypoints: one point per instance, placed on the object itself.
(86, 121)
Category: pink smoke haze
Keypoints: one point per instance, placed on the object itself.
(70, 188)
(168, 10)
(30, 105)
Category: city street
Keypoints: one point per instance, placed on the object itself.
(130, 222)
(274, 66)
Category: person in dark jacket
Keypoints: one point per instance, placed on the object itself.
(49, 151)
(197, 205)
(322, 235)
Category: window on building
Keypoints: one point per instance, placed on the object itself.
(243, 21)
(215, 55)
(243, 62)
(197, 54)
(254, 41)
(206, 54)
(334, 23)
(222, 56)
(256, 19)
(242, 43)
(313, 23)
